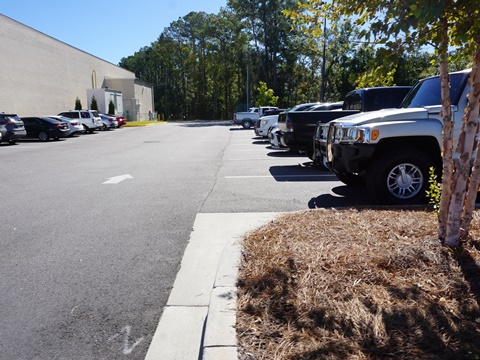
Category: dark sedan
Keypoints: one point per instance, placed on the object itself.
(45, 128)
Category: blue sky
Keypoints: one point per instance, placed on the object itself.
(107, 29)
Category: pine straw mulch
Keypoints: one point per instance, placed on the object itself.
(358, 284)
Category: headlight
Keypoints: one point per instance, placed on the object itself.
(263, 123)
(355, 134)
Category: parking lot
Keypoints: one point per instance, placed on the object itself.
(94, 227)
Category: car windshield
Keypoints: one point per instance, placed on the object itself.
(427, 92)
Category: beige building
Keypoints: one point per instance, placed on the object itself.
(40, 75)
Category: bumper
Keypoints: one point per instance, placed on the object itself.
(59, 133)
(76, 129)
(350, 158)
(261, 132)
(287, 139)
(14, 135)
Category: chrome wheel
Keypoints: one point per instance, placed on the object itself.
(405, 181)
(399, 177)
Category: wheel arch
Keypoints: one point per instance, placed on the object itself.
(427, 144)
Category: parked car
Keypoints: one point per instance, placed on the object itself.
(298, 127)
(11, 128)
(248, 119)
(74, 125)
(88, 118)
(392, 151)
(109, 121)
(264, 124)
(273, 137)
(45, 128)
(326, 106)
(121, 120)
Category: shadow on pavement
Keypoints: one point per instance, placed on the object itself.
(285, 154)
(348, 196)
(260, 142)
(239, 128)
(301, 173)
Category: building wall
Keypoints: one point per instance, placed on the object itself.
(137, 97)
(144, 94)
(41, 75)
(103, 97)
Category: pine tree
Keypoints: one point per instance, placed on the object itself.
(93, 104)
(78, 104)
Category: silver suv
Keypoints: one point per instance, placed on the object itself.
(11, 128)
(88, 118)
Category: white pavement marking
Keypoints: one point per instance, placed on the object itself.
(117, 179)
(128, 344)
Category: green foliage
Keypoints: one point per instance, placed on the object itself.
(203, 65)
(111, 107)
(78, 104)
(93, 104)
(265, 95)
(434, 191)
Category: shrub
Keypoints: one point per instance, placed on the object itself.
(78, 104)
(93, 104)
(111, 107)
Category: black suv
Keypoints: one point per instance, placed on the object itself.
(11, 128)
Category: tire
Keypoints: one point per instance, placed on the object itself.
(399, 178)
(350, 179)
(43, 136)
(85, 128)
(90, 131)
(12, 142)
(104, 127)
(247, 124)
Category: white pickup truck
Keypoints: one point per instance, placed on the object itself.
(391, 151)
(247, 119)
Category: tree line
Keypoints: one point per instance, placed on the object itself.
(207, 66)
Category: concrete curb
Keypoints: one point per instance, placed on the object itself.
(199, 319)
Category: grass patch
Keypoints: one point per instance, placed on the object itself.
(143, 123)
(357, 284)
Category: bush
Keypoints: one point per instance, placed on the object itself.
(78, 104)
(111, 107)
(93, 104)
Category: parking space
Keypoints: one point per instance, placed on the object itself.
(255, 177)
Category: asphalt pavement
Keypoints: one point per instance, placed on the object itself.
(199, 319)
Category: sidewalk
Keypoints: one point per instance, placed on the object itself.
(199, 318)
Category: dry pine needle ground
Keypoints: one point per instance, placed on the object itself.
(358, 284)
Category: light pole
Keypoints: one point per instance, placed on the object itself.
(322, 93)
(248, 78)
